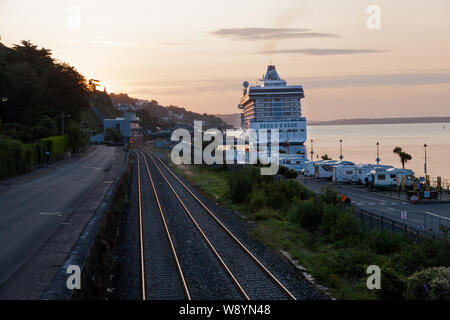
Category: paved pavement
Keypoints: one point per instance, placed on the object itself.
(43, 213)
(385, 205)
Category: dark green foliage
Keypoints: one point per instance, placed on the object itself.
(329, 195)
(241, 182)
(429, 284)
(113, 135)
(57, 146)
(342, 247)
(37, 86)
(76, 138)
(288, 173)
(17, 157)
(385, 242)
(393, 283)
(308, 214)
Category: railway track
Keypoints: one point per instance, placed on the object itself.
(249, 277)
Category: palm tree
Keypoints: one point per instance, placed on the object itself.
(404, 157)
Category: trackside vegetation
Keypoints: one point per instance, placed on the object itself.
(326, 237)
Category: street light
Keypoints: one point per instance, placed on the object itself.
(312, 151)
(425, 165)
(378, 153)
(341, 156)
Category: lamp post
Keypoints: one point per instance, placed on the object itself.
(378, 153)
(425, 165)
(312, 151)
(341, 156)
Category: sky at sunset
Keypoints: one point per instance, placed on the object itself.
(196, 54)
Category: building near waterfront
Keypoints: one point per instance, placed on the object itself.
(128, 126)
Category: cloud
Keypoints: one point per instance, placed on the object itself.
(321, 52)
(375, 80)
(269, 33)
(178, 87)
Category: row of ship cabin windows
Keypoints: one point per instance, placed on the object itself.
(279, 99)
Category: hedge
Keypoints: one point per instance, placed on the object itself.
(57, 145)
(17, 157)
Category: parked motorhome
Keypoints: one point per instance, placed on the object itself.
(324, 169)
(344, 173)
(296, 162)
(309, 168)
(363, 170)
(382, 178)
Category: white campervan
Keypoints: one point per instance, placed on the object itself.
(391, 177)
(324, 169)
(309, 168)
(296, 162)
(344, 173)
(363, 170)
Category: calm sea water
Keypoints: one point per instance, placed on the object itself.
(359, 144)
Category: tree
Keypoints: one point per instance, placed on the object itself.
(326, 157)
(404, 157)
(93, 84)
(113, 135)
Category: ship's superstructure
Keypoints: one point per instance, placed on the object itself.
(272, 104)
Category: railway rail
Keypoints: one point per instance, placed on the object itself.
(249, 276)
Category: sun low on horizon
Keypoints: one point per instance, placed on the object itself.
(353, 58)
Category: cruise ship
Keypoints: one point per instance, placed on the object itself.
(272, 104)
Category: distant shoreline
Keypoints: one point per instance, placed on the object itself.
(235, 119)
(364, 121)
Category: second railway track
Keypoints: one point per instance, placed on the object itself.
(248, 276)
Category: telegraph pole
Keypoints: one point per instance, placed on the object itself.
(63, 115)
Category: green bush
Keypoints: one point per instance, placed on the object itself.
(76, 139)
(329, 216)
(385, 242)
(265, 214)
(257, 199)
(241, 182)
(329, 195)
(430, 284)
(308, 214)
(288, 173)
(352, 262)
(347, 226)
(57, 146)
(393, 283)
(16, 157)
(429, 253)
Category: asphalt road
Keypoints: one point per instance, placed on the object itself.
(42, 213)
(385, 205)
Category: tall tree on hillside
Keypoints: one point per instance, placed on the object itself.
(404, 157)
(93, 84)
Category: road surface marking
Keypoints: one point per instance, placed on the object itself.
(56, 213)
